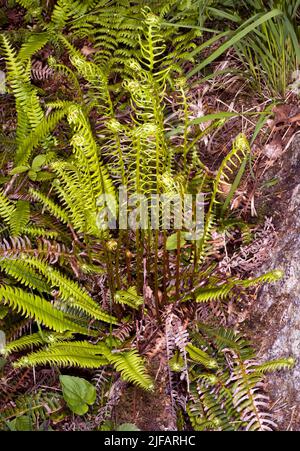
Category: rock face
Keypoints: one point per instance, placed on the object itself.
(275, 317)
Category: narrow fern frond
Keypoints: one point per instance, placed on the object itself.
(34, 43)
(202, 357)
(129, 297)
(19, 217)
(39, 309)
(275, 365)
(24, 274)
(53, 208)
(131, 367)
(71, 292)
(36, 339)
(6, 208)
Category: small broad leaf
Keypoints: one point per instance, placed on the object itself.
(171, 244)
(19, 170)
(38, 162)
(78, 393)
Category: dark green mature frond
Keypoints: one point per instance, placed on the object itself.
(37, 405)
(228, 338)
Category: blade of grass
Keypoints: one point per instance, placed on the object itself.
(237, 36)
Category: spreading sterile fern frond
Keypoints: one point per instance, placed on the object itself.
(27, 276)
(72, 293)
(131, 367)
(20, 217)
(200, 356)
(81, 354)
(39, 309)
(36, 339)
(214, 293)
(129, 297)
(87, 355)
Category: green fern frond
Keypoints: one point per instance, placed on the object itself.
(35, 42)
(211, 293)
(28, 106)
(81, 354)
(53, 208)
(38, 405)
(202, 357)
(38, 232)
(39, 309)
(20, 217)
(6, 207)
(39, 338)
(39, 134)
(129, 297)
(71, 292)
(228, 338)
(25, 275)
(131, 367)
(231, 163)
(86, 355)
(275, 365)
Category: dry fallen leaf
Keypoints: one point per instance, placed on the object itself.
(274, 149)
(86, 50)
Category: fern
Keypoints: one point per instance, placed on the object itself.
(129, 297)
(6, 208)
(38, 405)
(80, 354)
(39, 309)
(86, 355)
(70, 291)
(211, 293)
(200, 356)
(131, 368)
(36, 339)
(20, 217)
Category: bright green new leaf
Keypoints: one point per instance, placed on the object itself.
(172, 242)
